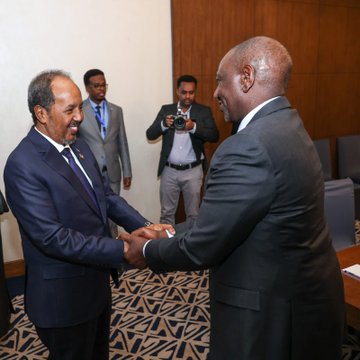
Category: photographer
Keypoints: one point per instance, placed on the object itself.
(185, 127)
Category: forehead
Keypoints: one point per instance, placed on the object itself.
(226, 65)
(186, 86)
(96, 79)
(65, 89)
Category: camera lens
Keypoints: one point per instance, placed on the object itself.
(179, 123)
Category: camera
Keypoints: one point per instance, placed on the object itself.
(179, 122)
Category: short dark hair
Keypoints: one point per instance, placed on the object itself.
(40, 90)
(90, 73)
(186, 78)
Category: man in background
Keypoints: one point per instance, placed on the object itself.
(57, 193)
(103, 129)
(184, 126)
(276, 290)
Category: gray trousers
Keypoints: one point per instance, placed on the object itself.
(172, 182)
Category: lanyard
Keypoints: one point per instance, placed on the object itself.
(101, 119)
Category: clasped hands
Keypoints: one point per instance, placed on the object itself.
(134, 242)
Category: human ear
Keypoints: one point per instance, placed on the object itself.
(247, 78)
(41, 114)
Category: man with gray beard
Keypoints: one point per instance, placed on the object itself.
(55, 189)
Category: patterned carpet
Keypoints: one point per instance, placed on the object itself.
(154, 317)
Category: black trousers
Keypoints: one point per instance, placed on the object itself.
(87, 341)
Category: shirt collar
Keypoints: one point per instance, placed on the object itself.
(245, 121)
(58, 146)
(187, 112)
(94, 104)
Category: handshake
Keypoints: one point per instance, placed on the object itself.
(134, 242)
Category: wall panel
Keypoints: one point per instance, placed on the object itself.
(322, 36)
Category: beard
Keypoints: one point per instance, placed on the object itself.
(69, 142)
(73, 124)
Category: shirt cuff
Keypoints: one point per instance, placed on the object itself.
(169, 234)
(163, 127)
(192, 131)
(144, 247)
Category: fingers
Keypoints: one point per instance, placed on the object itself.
(124, 236)
(169, 228)
(127, 182)
(126, 248)
(189, 124)
(162, 227)
(133, 249)
(169, 120)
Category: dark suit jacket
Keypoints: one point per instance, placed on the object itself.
(66, 239)
(206, 130)
(275, 285)
(114, 147)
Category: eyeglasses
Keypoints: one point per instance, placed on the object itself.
(98, 86)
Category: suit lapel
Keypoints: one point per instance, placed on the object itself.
(89, 114)
(55, 160)
(95, 177)
(112, 118)
(194, 112)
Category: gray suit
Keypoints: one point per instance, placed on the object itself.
(276, 290)
(114, 148)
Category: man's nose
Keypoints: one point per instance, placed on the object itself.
(79, 115)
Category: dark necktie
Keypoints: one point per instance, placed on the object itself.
(100, 121)
(78, 172)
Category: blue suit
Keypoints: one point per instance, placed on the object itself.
(68, 249)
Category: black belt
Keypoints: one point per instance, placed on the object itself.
(184, 167)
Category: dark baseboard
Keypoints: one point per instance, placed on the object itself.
(14, 268)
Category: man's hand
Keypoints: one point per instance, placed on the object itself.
(134, 242)
(127, 182)
(189, 124)
(133, 249)
(169, 120)
(161, 230)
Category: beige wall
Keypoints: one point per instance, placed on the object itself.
(129, 40)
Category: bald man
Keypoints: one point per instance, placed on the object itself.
(276, 291)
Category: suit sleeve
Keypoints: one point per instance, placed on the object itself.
(123, 145)
(240, 189)
(56, 222)
(155, 130)
(122, 213)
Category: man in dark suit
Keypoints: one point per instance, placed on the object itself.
(182, 152)
(62, 216)
(276, 290)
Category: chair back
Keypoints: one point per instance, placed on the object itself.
(340, 212)
(348, 154)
